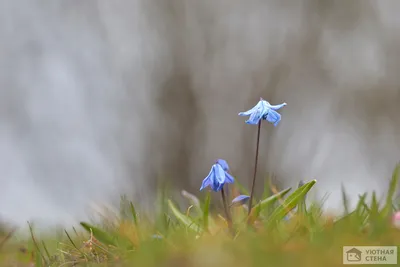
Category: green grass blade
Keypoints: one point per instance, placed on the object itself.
(289, 203)
(45, 250)
(302, 208)
(38, 259)
(73, 243)
(374, 210)
(268, 202)
(206, 211)
(361, 205)
(377, 223)
(99, 234)
(387, 210)
(161, 222)
(187, 221)
(345, 201)
(133, 213)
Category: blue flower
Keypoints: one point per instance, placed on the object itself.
(263, 111)
(239, 200)
(218, 176)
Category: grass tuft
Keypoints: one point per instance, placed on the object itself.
(198, 236)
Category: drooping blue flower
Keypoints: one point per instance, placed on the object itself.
(239, 200)
(217, 177)
(263, 111)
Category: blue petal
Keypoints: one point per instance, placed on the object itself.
(276, 107)
(219, 179)
(252, 110)
(265, 108)
(255, 117)
(240, 200)
(208, 180)
(223, 164)
(273, 117)
(265, 105)
(246, 113)
(219, 173)
(229, 178)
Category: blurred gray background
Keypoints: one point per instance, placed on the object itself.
(99, 98)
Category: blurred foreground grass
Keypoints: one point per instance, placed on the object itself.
(281, 231)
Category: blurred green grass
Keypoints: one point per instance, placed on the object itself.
(281, 231)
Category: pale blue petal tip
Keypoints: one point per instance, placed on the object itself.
(240, 200)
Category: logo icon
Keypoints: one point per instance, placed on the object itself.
(353, 255)
(370, 255)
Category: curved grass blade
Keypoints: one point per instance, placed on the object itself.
(362, 212)
(39, 257)
(187, 221)
(99, 234)
(193, 200)
(255, 211)
(290, 203)
(73, 244)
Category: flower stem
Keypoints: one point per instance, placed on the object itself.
(255, 169)
(228, 216)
